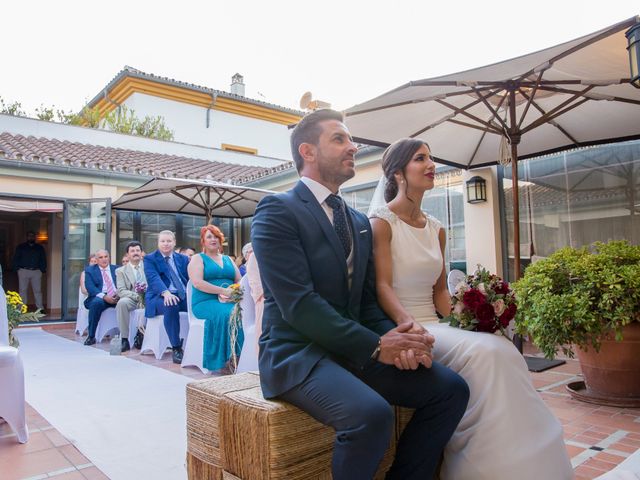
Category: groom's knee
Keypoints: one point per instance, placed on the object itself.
(372, 421)
(459, 391)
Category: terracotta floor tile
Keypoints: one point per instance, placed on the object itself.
(76, 475)
(583, 472)
(608, 457)
(32, 464)
(623, 447)
(56, 438)
(10, 447)
(73, 455)
(572, 450)
(92, 473)
(600, 464)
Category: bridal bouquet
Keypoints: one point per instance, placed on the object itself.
(235, 322)
(483, 302)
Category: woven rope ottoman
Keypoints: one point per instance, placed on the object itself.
(233, 433)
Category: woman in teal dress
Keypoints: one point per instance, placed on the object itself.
(211, 274)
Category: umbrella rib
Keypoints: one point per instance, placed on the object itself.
(543, 112)
(529, 98)
(492, 110)
(559, 110)
(462, 111)
(186, 199)
(610, 98)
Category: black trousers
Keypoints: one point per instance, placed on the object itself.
(357, 404)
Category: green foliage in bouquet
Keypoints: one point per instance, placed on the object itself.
(579, 296)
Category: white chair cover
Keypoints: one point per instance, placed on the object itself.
(249, 354)
(194, 344)
(156, 339)
(12, 405)
(136, 319)
(82, 315)
(453, 279)
(107, 325)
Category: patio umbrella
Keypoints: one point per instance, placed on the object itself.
(171, 195)
(571, 95)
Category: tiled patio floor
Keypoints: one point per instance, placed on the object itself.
(597, 438)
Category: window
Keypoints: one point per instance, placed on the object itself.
(238, 148)
(575, 198)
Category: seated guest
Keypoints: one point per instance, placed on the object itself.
(100, 281)
(247, 250)
(253, 271)
(127, 277)
(125, 259)
(188, 251)
(212, 273)
(167, 277)
(91, 261)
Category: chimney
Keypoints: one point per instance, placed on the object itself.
(237, 85)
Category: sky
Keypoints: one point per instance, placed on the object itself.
(63, 53)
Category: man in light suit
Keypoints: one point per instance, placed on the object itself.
(127, 277)
(100, 282)
(167, 278)
(326, 346)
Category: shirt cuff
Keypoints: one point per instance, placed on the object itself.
(101, 295)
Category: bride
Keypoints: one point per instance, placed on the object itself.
(507, 431)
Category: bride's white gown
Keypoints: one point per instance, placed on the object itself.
(507, 431)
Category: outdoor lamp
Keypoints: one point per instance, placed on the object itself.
(476, 190)
(633, 36)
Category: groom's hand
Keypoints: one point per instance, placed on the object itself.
(404, 349)
(425, 360)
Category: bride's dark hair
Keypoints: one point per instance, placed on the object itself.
(394, 159)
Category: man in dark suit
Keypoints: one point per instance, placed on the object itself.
(167, 278)
(100, 282)
(326, 346)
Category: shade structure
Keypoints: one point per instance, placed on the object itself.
(570, 95)
(171, 195)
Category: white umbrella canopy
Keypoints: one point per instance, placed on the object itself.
(574, 94)
(211, 199)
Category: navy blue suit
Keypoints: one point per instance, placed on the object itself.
(318, 337)
(158, 281)
(93, 283)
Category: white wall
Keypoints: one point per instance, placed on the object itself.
(189, 125)
(482, 225)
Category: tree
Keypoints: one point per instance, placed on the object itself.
(14, 108)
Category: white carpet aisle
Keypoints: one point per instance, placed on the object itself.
(126, 417)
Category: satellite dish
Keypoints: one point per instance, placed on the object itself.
(305, 100)
(307, 103)
(454, 279)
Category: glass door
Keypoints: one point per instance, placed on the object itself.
(87, 228)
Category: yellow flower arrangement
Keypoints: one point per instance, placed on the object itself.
(17, 312)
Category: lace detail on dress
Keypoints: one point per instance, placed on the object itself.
(384, 213)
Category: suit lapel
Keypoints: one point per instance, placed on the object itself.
(321, 217)
(359, 255)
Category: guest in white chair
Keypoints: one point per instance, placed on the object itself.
(127, 277)
(212, 273)
(92, 260)
(253, 272)
(100, 281)
(167, 278)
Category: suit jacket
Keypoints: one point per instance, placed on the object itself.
(309, 310)
(93, 281)
(126, 280)
(158, 279)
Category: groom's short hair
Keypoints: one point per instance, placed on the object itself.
(308, 130)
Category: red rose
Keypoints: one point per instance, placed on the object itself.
(486, 318)
(501, 288)
(508, 315)
(473, 298)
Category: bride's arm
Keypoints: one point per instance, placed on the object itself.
(441, 297)
(384, 276)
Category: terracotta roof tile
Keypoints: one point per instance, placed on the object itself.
(129, 162)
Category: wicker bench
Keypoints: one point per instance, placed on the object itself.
(233, 433)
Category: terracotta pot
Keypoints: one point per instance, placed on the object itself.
(614, 371)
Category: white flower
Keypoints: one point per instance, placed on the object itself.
(481, 287)
(498, 307)
(458, 308)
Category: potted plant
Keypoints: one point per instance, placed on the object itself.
(588, 298)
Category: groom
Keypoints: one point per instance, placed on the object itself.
(326, 346)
